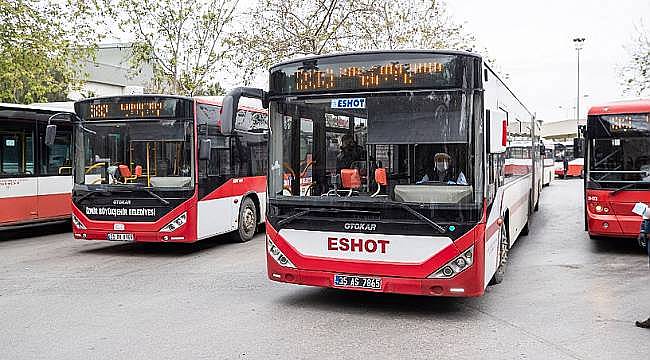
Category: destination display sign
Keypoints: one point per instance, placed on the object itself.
(398, 71)
(145, 107)
(619, 125)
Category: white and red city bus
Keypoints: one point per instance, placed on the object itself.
(549, 162)
(617, 142)
(158, 168)
(571, 151)
(405, 188)
(35, 179)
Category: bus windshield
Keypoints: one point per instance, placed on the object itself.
(620, 150)
(152, 153)
(411, 148)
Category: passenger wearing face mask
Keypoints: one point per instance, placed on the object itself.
(442, 171)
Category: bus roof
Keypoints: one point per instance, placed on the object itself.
(378, 52)
(622, 107)
(253, 105)
(50, 107)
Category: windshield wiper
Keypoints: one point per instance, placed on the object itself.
(320, 210)
(624, 187)
(419, 216)
(294, 216)
(153, 194)
(93, 192)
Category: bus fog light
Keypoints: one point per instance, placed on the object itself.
(599, 208)
(455, 266)
(277, 255)
(175, 224)
(447, 271)
(78, 223)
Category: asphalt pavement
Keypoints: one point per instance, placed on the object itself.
(564, 297)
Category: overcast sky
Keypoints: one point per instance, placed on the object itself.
(532, 42)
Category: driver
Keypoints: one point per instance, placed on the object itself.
(442, 171)
(349, 153)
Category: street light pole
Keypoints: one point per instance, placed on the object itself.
(579, 43)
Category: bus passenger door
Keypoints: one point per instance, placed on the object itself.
(18, 185)
(55, 173)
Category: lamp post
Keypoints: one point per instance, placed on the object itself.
(579, 43)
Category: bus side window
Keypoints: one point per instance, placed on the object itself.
(16, 152)
(56, 159)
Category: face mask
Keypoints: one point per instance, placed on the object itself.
(442, 166)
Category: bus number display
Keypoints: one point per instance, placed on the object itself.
(127, 110)
(388, 75)
(401, 72)
(147, 108)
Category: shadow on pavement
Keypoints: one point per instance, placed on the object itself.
(375, 303)
(157, 249)
(617, 246)
(35, 231)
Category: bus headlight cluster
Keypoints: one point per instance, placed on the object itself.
(277, 255)
(176, 223)
(77, 223)
(456, 266)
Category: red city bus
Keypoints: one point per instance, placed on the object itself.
(35, 178)
(617, 141)
(386, 172)
(158, 168)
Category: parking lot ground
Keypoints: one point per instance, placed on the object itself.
(564, 297)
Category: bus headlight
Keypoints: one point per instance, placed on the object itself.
(78, 223)
(277, 255)
(456, 266)
(175, 224)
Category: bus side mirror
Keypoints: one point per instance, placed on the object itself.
(230, 105)
(205, 149)
(228, 114)
(50, 134)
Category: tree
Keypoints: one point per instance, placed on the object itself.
(636, 73)
(184, 40)
(42, 47)
(415, 24)
(283, 29)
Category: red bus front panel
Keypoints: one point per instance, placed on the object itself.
(140, 231)
(610, 214)
(316, 257)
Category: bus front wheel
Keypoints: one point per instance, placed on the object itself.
(247, 223)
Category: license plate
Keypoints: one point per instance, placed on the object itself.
(361, 282)
(120, 237)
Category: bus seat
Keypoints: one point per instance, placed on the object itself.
(380, 176)
(350, 178)
(125, 172)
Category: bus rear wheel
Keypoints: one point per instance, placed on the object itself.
(504, 249)
(247, 223)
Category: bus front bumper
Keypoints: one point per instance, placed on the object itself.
(622, 226)
(137, 236)
(463, 285)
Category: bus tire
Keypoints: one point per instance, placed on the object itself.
(247, 221)
(504, 249)
(526, 229)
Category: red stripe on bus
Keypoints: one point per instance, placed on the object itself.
(238, 187)
(38, 207)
